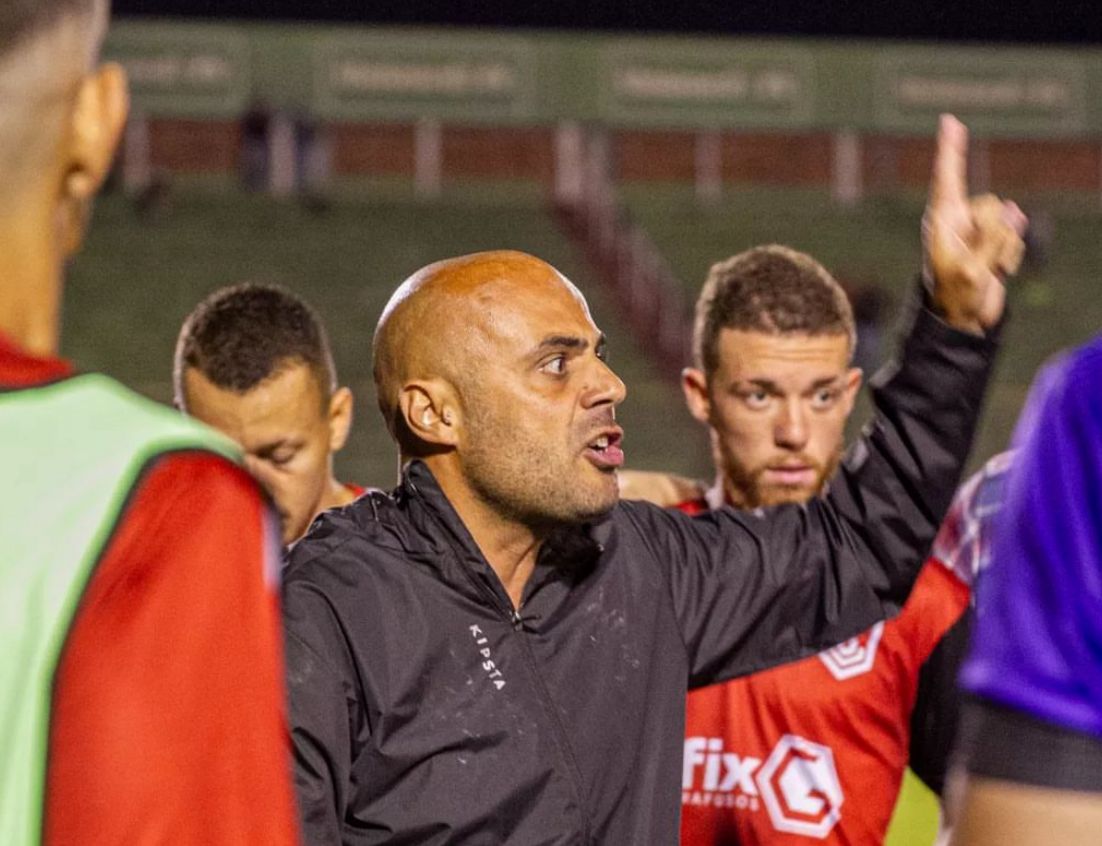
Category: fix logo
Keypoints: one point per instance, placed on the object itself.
(855, 656)
(488, 664)
(798, 783)
(727, 779)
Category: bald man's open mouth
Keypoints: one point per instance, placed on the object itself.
(604, 450)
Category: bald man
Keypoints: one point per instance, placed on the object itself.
(141, 680)
(499, 650)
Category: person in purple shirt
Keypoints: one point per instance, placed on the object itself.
(1033, 741)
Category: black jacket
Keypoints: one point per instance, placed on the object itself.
(425, 711)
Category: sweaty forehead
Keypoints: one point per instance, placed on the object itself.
(477, 309)
(499, 300)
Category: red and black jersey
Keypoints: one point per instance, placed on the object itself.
(168, 719)
(815, 750)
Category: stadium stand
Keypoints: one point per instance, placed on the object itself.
(137, 280)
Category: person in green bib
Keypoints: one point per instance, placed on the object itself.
(141, 695)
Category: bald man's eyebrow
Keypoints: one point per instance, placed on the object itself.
(569, 342)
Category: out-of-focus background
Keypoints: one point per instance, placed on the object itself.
(337, 159)
(322, 146)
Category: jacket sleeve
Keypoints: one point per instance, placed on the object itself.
(323, 708)
(757, 589)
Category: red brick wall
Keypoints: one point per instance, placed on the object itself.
(777, 159)
(1045, 165)
(529, 153)
(502, 153)
(653, 155)
(194, 146)
(373, 149)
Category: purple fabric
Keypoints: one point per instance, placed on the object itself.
(1037, 643)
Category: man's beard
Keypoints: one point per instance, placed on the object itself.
(746, 487)
(529, 482)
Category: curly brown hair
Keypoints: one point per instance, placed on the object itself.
(771, 289)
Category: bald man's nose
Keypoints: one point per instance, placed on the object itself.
(605, 388)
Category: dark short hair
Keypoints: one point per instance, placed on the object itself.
(22, 19)
(771, 289)
(239, 336)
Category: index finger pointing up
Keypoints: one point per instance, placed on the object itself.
(949, 183)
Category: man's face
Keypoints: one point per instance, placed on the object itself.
(777, 408)
(539, 441)
(287, 432)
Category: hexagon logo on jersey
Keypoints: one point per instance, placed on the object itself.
(800, 788)
(854, 657)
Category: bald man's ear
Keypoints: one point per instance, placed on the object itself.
(429, 412)
(97, 121)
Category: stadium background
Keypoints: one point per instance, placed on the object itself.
(338, 160)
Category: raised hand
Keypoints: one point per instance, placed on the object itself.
(971, 244)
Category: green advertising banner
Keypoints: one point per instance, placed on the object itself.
(709, 85)
(374, 76)
(487, 77)
(992, 92)
(186, 70)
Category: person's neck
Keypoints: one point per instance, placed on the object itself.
(30, 288)
(336, 494)
(721, 493)
(509, 546)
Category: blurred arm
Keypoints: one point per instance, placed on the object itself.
(665, 489)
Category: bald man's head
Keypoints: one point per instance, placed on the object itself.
(440, 321)
(490, 368)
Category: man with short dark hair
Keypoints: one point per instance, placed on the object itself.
(499, 651)
(141, 695)
(253, 361)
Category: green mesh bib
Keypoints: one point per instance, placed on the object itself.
(70, 455)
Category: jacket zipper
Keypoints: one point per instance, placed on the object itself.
(561, 737)
(516, 622)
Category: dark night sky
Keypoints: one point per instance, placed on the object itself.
(1066, 21)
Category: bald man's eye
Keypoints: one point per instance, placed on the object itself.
(556, 365)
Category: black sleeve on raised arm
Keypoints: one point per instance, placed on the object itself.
(751, 590)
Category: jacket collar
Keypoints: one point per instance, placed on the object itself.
(571, 552)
